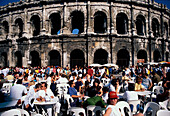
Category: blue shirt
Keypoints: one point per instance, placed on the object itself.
(72, 91)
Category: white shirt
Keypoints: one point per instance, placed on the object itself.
(105, 97)
(61, 80)
(30, 96)
(17, 91)
(130, 95)
(43, 94)
(115, 110)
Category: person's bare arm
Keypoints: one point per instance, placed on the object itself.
(108, 112)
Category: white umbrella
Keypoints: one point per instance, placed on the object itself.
(95, 65)
(111, 65)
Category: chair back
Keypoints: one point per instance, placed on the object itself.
(153, 106)
(122, 105)
(158, 90)
(94, 110)
(13, 112)
(6, 87)
(160, 83)
(164, 104)
(135, 104)
(76, 111)
(62, 88)
(23, 112)
(163, 113)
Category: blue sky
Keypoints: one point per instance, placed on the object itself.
(4, 2)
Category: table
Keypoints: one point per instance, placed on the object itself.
(143, 93)
(49, 106)
(8, 104)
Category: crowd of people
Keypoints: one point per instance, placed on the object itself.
(100, 85)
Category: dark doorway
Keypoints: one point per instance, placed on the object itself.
(155, 27)
(77, 58)
(4, 59)
(156, 56)
(35, 23)
(19, 26)
(142, 55)
(55, 58)
(101, 56)
(123, 58)
(18, 58)
(140, 25)
(35, 59)
(122, 23)
(55, 23)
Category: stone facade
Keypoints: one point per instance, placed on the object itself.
(41, 32)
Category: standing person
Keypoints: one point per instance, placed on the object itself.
(90, 71)
(147, 82)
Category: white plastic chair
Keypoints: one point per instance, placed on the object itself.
(23, 112)
(164, 104)
(76, 111)
(134, 103)
(13, 112)
(94, 110)
(121, 105)
(160, 83)
(163, 113)
(154, 106)
(62, 88)
(6, 87)
(157, 90)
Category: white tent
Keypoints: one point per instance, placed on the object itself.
(95, 65)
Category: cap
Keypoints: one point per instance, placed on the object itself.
(113, 94)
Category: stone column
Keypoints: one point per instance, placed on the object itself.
(25, 28)
(89, 28)
(43, 29)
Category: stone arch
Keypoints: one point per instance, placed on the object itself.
(35, 25)
(142, 54)
(18, 56)
(54, 58)
(123, 58)
(18, 29)
(77, 57)
(35, 59)
(77, 21)
(156, 56)
(101, 56)
(55, 23)
(166, 30)
(5, 26)
(122, 23)
(101, 10)
(100, 22)
(155, 27)
(140, 25)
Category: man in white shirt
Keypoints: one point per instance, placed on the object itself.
(31, 96)
(47, 95)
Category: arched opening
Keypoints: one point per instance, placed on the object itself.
(165, 30)
(19, 27)
(167, 56)
(155, 27)
(18, 58)
(35, 24)
(77, 21)
(55, 21)
(6, 27)
(142, 55)
(35, 59)
(156, 56)
(4, 59)
(55, 58)
(123, 58)
(77, 58)
(140, 25)
(100, 22)
(101, 56)
(122, 23)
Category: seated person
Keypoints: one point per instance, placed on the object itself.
(105, 94)
(73, 93)
(94, 100)
(138, 85)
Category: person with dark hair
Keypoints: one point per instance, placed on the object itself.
(78, 84)
(30, 97)
(96, 87)
(25, 81)
(94, 100)
(73, 93)
(105, 94)
(114, 86)
(147, 82)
